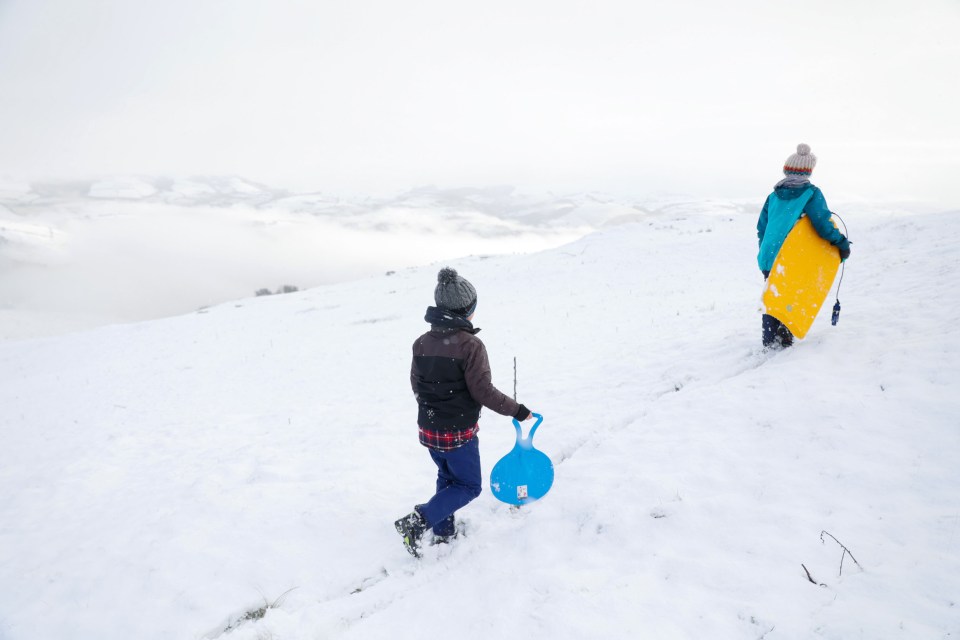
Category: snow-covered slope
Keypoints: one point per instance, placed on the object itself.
(165, 479)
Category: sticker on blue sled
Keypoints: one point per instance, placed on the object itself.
(525, 474)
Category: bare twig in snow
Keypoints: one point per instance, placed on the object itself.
(810, 577)
(846, 552)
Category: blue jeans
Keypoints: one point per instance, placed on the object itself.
(458, 482)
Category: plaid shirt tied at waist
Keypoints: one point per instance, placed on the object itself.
(447, 439)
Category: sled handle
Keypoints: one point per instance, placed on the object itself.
(516, 425)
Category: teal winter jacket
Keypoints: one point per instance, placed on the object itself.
(782, 210)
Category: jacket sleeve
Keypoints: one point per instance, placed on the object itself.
(762, 222)
(413, 371)
(480, 385)
(820, 215)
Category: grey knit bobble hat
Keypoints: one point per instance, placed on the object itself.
(454, 293)
(800, 163)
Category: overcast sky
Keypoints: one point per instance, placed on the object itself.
(377, 96)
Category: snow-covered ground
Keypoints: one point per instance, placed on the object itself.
(166, 479)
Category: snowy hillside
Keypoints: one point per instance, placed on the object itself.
(171, 478)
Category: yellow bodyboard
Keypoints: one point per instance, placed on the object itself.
(801, 278)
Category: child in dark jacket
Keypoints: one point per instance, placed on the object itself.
(451, 380)
(792, 198)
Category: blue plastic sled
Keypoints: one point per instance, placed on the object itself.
(524, 474)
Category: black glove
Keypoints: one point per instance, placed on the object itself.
(522, 413)
(843, 246)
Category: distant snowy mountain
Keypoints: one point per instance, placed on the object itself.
(503, 203)
(132, 248)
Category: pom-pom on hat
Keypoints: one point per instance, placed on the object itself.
(454, 293)
(800, 163)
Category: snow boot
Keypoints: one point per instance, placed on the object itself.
(412, 528)
(449, 528)
(445, 539)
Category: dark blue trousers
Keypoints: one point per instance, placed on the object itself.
(775, 333)
(458, 482)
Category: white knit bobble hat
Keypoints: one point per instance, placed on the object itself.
(801, 163)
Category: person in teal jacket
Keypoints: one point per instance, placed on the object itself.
(792, 197)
